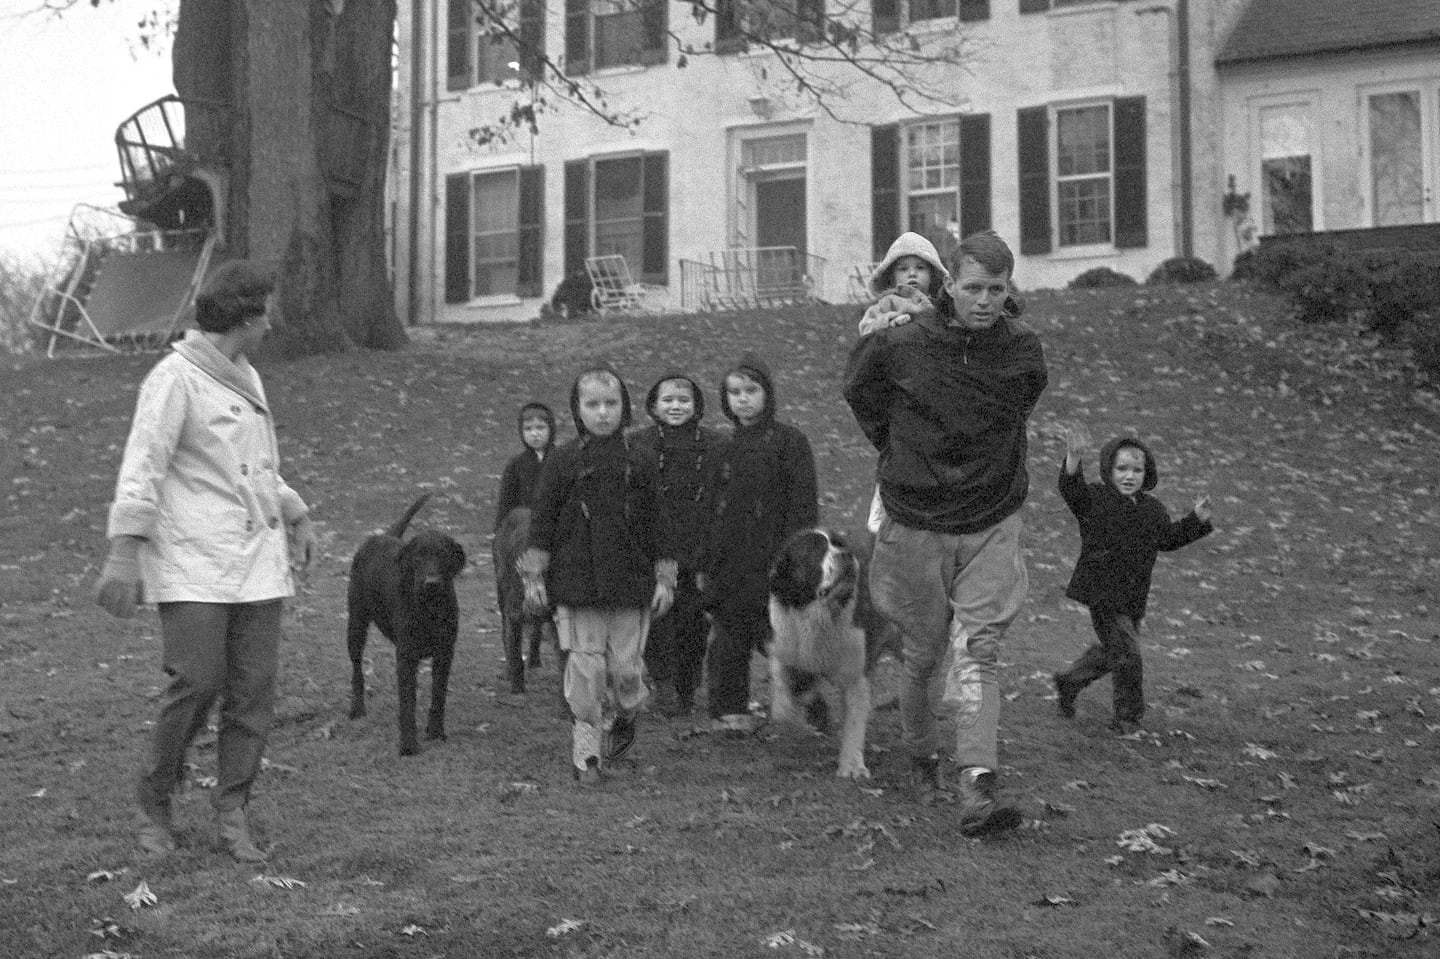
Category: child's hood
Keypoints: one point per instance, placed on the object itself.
(530, 411)
(654, 394)
(625, 417)
(751, 365)
(1107, 461)
(906, 244)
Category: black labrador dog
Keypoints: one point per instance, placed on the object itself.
(517, 623)
(407, 589)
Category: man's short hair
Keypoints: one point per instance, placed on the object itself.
(987, 249)
(233, 294)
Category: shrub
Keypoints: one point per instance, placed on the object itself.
(1402, 288)
(1329, 291)
(1101, 276)
(20, 284)
(1182, 269)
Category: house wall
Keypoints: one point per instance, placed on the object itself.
(1335, 87)
(1096, 51)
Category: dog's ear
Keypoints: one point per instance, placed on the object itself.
(795, 573)
(454, 559)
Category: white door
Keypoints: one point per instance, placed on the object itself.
(1401, 126)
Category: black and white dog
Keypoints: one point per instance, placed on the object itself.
(824, 629)
(407, 589)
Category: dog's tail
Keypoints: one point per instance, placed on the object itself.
(398, 529)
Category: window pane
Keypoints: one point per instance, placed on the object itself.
(774, 151)
(1082, 141)
(493, 58)
(933, 9)
(1397, 173)
(619, 32)
(1287, 196)
(1084, 212)
(619, 226)
(936, 218)
(495, 200)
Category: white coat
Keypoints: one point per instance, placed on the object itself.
(200, 483)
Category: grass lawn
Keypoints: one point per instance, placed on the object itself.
(1283, 803)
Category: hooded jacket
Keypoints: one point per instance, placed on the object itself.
(687, 457)
(908, 244)
(766, 491)
(200, 482)
(595, 517)
(947, 409)
(1121, 536)
(522, 473)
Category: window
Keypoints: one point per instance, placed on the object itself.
(738, 21)
(1286, 186)
(888, 16)
(614, 33)
(494, 243)
(480, 53)
(1094, 192)
(1040, 6)
(932, 177)
(619, 205)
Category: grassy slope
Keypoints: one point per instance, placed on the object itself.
(1291, 668)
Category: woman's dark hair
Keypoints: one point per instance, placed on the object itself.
(233, 294)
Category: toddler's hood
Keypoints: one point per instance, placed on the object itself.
(529, 411)
(1107, 461)
(625, 417)
(695, 390)
(906, 244)
(751, 365)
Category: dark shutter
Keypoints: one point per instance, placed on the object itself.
(974, 174)
(884, 18)
(577, 216)
(577, 37)
(1034, 164)
(1131, 226)
(458, 52)
(655, 209)
(971, 10)
(532, 40)
(530, 272)
(884, 188)
(727, 27)
(811, 28)
(655, 21)
(1034, 6)
(457, 237)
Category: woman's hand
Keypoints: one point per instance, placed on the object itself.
(304, 546)
(119, 590)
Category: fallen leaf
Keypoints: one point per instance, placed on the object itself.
(140, 897)
(279, 882)
(413, 930)
(564, 927)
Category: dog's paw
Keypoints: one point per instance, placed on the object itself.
(852, 768)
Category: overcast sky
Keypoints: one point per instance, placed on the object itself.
(66, 83)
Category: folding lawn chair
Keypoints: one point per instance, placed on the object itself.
(616, 291)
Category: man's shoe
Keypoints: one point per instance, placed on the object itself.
(1126, 727)
(622, 737)
(980, 814)
(157, 829)
(1067, 690)
(735, 724)
(590, 775)
(235, 834)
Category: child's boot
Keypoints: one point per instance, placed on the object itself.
(235, 834)
(980, 813)
(622, 736)
(585, 752)
(1066, 690)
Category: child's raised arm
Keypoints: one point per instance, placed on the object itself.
(1202, 509)
(1077, 437)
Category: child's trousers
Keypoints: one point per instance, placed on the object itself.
(1117, 653)
(675, 651)
(740, 631)
(606, 649)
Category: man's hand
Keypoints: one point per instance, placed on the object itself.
(119, 590)
(661, 602)
(304, 547)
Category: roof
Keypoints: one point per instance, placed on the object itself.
(1273, 29)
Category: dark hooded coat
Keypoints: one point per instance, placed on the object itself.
(596, 515)
(1121, 536)
(688, 457)
(766, 491)
(522, 474)
(947, 409)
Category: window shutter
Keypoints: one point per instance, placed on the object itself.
(1034, 6)
(884, 188)
(727, 27)
(655, 17)
(577, 216)
(1034, 148)
(884, 18)
(811, 28)
(974, 174)
(532, 40)
(655, 210)
(1131, 226)
(577, 37)
(457, 237)
(458, 50)
(972, 10)
(530, 272)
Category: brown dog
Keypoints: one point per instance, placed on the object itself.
(517, 622)
(407, 589)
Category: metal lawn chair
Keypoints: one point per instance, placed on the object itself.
(614, 290)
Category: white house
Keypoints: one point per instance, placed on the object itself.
(1065, 137)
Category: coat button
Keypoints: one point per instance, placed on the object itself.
(274, 522)
(249, 525)
(244, 469)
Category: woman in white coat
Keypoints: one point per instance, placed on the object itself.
(204, 526)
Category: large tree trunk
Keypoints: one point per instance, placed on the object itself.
(308, 88)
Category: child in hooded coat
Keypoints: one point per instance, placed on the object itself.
(1122, 531)
(522, 473)
(601, 551)
(687, 453)
(766, 492)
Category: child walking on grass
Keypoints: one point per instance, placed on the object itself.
(1122, 531)
(600, 550)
